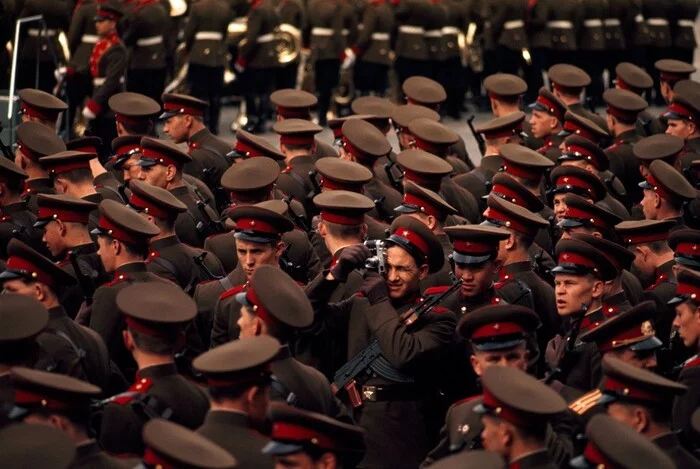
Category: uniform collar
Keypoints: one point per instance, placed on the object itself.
(666, 441)
(284, 353)
(88, 248)
(165, 242)
(86, 448)
(510, 270)
(199, 136)
(628, 136)
(180, 190)
(532, 460)
(157, 371)
(130, 268)
(233, 418)
(57, 312)
(95, 198)
(14, 207)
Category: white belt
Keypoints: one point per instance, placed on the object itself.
(150, 41)
(686, 23)
(208, 36)
(408, 29)
(514, 24)
(449, 30)
(46, 32)
(98, 81)
(593, 23)
(380, 36)
(560, 24)
(89, 38)
(269, 37)
(639, 18)
(433, 33)
(611, 22)
(657, 22)
(239, 25)
(322, 32)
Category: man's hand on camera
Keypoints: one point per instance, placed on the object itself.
(350, 258)
(374, 287)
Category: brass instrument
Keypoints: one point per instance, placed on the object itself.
(80, 123)
(177, 8)
(179, 82)
(472, 52)
(345, 92)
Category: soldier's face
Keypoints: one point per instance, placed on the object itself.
(559, 207)
(104, 27)
(105, 250)
(130, 170)
(304, 461)
(572, 291)
(542, 123)
(53, 239)
(515, 357)
(495, 435)
(402, 273)
(156, 175)
(687, 321)
(642, 262)
(477, 278)
(177, 128)
(650, 204)
(680, 128)
(642, 359)
(21, 287)
(252, 255)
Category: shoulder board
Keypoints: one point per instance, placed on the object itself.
(497, 300)
(435, 290)
(693, 362)
(116, 280)
(360, 294)
(5, 218)
(586, 402)
(140, 387)
(466, 399)
(233, 291)
(63, 263)
(612, 147)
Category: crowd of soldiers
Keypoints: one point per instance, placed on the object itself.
(171, 299)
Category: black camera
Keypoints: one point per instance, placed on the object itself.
(377, 261)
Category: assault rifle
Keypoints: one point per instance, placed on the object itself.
(566, 358)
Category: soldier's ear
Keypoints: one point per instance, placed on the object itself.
(598, 287)
(476, 365)
(423, 271)
(657, 200)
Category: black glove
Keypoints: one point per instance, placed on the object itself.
(374, 287)
(351, 258)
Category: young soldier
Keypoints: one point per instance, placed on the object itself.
(547, 121)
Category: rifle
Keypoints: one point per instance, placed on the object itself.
(7, 153)
(199, 260)
(297, 272)
(314, 182)
(215, 226)
(209, 179)
(566, 360)
(370, 358)
(299, 220)
(84, 280)
(477, 136)
(396, 181)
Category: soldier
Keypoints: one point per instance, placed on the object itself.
(239, 379)
(64, 221)
(506, 93)
(670, 72)
(107, 68)
(413, 252)
(31, 274)
(436, 138)
(134, 114)
(612, 442)
(377, 111)
(39, 106)
(521, 407)
(489, 345)
(143, 35)
(372, 50)
(497, 132)
(363, 143)
(257, 62)
(683, 32)
(582, 216)
(682, 243)
(300, 439)
(162, 166)
(126, 153)
(61, 402)
(82, 37)
(681, 117)
(155, 317)
(258, 236)
(686, 309)
(526, 166)
(403, 115)
(546, 122)
(36, 445)
(635, 79)
(40, 46)
(507, 34)
(649, 397)
(665, 193)
(184, 123)
(579, 276)
(122, 237)
(517, 268)
(626, 290)
(275, 305)
(17, 220)
(573, 180)
(475, 262)
(171, 445)
(410, 48)
(564, 25)
(297, 104)
(168, 257)
(204, 36)
(591, 44)
(293, 18)
(568, 83)
(34, 141)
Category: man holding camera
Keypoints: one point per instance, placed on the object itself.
(390, 405)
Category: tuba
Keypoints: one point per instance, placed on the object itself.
(289, 43)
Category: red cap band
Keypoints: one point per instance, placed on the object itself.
(182, 109)
(496, 329)
(135, 120)
(438, 149)
(124, 149)
(511, 195)
(286, 431)
(424, 205)
(117, 232)
(148, 206)
(251, 224)
(573, 128)
(344, 218)
(19, 263)
(153, 459)
(413, 238)
(422, 178)
(640, 238)
(576, 259)
(575, 182)
(46, 213)
(508, 221)
(297, 139)
(258, 308)
(594, 456)
(144, 328)
(552, 108)
(28, 152)
(663, 193)
(687, 289)
(70, 166)
(673, 77)
(23, 397)
(500, 133)
(573, 212)
(294, 112)
(160, 157)
(611, 384)
(43, 114)
(357, 153)
(332, 184)
(585, 153)
(682, 110)
(626, 337)
(691, 249)
(506, 413)
(525, 172)
(470, 247)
